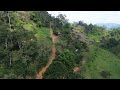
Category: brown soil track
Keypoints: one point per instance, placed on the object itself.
(51, 58)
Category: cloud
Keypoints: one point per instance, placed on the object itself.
(91, 16)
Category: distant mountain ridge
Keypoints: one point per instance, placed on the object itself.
(108, 25)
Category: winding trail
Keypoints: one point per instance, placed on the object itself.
(52, 56)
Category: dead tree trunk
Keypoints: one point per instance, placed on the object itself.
(6, 42)
(9, 18)
(10, 59)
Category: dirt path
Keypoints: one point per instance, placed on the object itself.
(52, 57)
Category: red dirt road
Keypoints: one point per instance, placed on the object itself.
(51, 58)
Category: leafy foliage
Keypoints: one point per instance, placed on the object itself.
(22, 53)
(25, 46)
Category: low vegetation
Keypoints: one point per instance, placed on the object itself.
(26, 45)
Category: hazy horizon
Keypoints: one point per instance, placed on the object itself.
(88, 17)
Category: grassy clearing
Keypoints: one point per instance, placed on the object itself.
(102, 65)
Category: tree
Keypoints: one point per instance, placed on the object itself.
(63, 20)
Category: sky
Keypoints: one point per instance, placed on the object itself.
(90, 16)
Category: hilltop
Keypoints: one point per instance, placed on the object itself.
(36, 45)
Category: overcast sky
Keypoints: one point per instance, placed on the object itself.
(91, 16)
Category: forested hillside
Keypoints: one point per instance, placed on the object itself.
(36, 45)
(24, 42)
